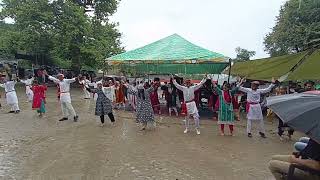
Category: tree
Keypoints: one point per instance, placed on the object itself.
(32, 31)
(297, 28)
(244, 54)
(63, 32)
(6, 43)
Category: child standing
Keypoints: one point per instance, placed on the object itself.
(39, 98)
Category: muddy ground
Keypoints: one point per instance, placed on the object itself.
(43, 148)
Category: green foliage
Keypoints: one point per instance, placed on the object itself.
(244, 54)
(297, 28)
(62, 31)
(25, 64)
(6, 40)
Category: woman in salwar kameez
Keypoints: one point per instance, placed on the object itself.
(155, 101)
(103, 102)
(120, 96)
(226, 113)
(145, 112)
(39, 97)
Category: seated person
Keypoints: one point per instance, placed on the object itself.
(309, 157)
(301, 144)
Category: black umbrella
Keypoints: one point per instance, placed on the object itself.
(299, 111)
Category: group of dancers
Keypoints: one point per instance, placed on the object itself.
(109, 95)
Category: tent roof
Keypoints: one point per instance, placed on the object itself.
(308, 70)
(172, 48)
(212, 68)
(265, 69)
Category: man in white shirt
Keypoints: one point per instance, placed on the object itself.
(65, 98)
(11, 95)
(253, 107)
(188, 94)
(28, 83)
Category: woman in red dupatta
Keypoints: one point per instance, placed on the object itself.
(39, 98)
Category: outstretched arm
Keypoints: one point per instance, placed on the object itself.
(245, 90)
(196, 87)
(266, 90)
(71, 80)
(240, 88)
(178, 86)
(55, 80)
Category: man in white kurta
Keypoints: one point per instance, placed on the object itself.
(254, 111)
(85, 82)
(11, 96)
(28, 84)
(192, 110)
(65, 98)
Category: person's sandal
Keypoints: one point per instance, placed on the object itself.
(63, 119)
(262, 135)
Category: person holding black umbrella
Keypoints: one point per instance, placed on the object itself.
(309, 157)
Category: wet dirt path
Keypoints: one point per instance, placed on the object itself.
(34, 148)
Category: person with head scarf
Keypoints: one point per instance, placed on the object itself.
(11, 95)
(226, 112)
(144, 109)
(120, 96)
(39, 97)
(28, 84)
(155, 99)
(189, 100)
(84, 83)
(103, 102)
(65, 98)
(253, 107)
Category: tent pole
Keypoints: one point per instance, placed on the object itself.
(229, 71)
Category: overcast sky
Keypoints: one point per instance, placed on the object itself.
(217, 25)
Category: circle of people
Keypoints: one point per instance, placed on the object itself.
(144, 99)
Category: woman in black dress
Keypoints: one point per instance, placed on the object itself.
(145, 112)
(103, 103)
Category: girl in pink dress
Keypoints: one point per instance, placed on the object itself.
(39, 98)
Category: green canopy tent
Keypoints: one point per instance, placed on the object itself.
(172, 54)
(308, 70)
(294, 67)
